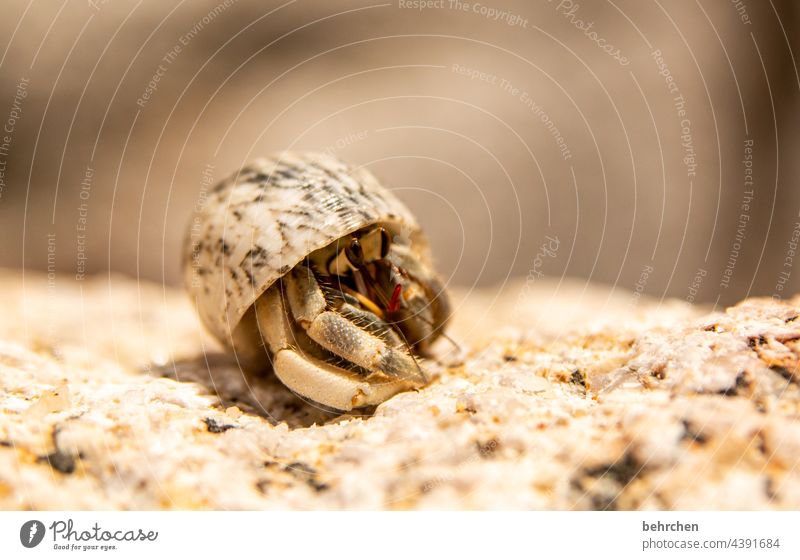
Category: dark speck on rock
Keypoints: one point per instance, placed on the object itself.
(60, 461)
(783, 372)
(215, 427)
(690, 434)
(754, 341)
(622, 471)
(617, 475)
(769, 488)
(741, 382)
(318, 486)
(300, 468)
(578, 378)
(308, 474)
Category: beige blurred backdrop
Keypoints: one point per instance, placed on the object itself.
(608, 141)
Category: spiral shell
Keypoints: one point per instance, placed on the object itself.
(255, 226)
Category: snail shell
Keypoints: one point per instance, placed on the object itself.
(259, 224)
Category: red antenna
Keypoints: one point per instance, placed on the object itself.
(394, 302)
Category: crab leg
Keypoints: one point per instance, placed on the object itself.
(310, 376)
(341, 335)
(337, 334)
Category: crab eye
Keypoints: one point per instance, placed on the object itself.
(355, 254)
(386, 243)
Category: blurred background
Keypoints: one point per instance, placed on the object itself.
(649, 145)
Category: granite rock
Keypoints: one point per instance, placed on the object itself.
(560, 396)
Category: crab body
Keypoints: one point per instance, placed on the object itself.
(308, 264)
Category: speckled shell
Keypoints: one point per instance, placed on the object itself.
(255, 226)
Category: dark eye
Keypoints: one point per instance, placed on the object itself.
(386, 243)
(355, 254)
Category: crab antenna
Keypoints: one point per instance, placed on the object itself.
(441, 332)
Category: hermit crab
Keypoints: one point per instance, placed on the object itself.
(308, 264)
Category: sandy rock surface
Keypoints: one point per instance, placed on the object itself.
(563, 396)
